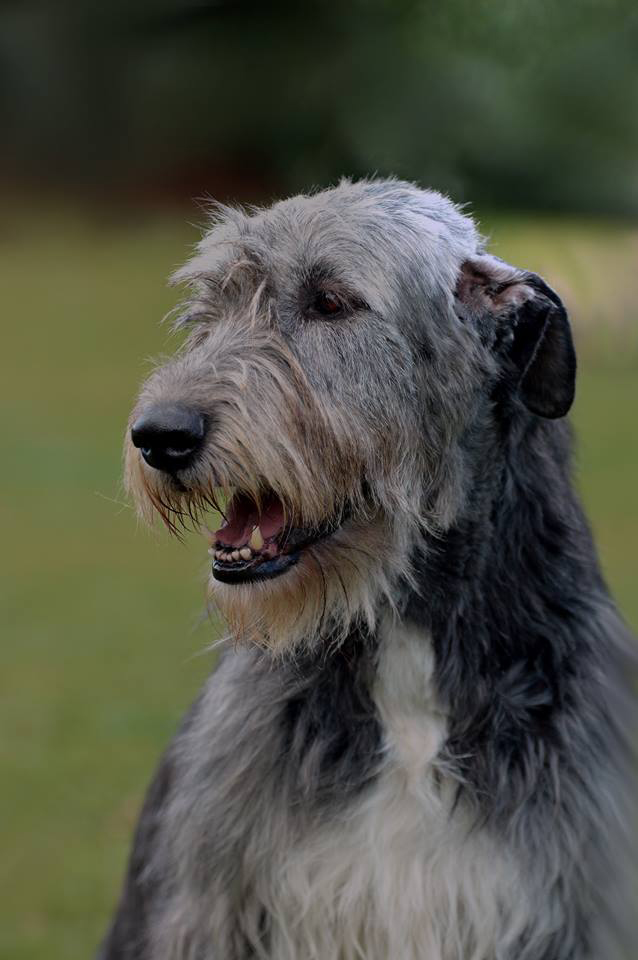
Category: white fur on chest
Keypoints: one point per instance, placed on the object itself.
(401, 876)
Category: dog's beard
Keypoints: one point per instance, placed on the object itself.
(337, 583)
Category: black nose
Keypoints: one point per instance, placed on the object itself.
(168, 436)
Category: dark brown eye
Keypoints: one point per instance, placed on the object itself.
(327, 304)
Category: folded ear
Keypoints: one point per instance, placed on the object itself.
(525, 323)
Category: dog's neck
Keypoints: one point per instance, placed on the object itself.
(501, 597)
(519, 528)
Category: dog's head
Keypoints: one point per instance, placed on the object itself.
(339, 347)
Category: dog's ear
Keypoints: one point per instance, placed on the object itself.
(524, 322)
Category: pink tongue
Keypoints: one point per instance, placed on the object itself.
(242, 516)
(271, 521)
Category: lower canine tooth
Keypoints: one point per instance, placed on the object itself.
(256, 540)
(246, 553)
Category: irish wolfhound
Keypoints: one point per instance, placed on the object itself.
(413, 747)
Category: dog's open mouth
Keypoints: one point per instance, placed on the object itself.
(257, 543)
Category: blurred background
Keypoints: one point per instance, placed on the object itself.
(115, 119)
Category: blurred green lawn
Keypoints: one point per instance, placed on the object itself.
(105, 645)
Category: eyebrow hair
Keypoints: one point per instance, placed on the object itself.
(322, 273)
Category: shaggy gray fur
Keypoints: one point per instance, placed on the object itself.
(416, 743)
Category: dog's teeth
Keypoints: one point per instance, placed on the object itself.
(256, 540)
(235, 554)
(218, 554)
(246, 553)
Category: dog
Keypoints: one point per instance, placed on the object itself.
(417, 742)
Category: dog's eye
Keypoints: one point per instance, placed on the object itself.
(327, 304)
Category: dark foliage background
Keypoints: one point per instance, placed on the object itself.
(518, 103)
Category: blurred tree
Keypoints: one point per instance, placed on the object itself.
(514, 103)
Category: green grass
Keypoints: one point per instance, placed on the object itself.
(104, 644)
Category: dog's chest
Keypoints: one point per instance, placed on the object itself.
(401, 874)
